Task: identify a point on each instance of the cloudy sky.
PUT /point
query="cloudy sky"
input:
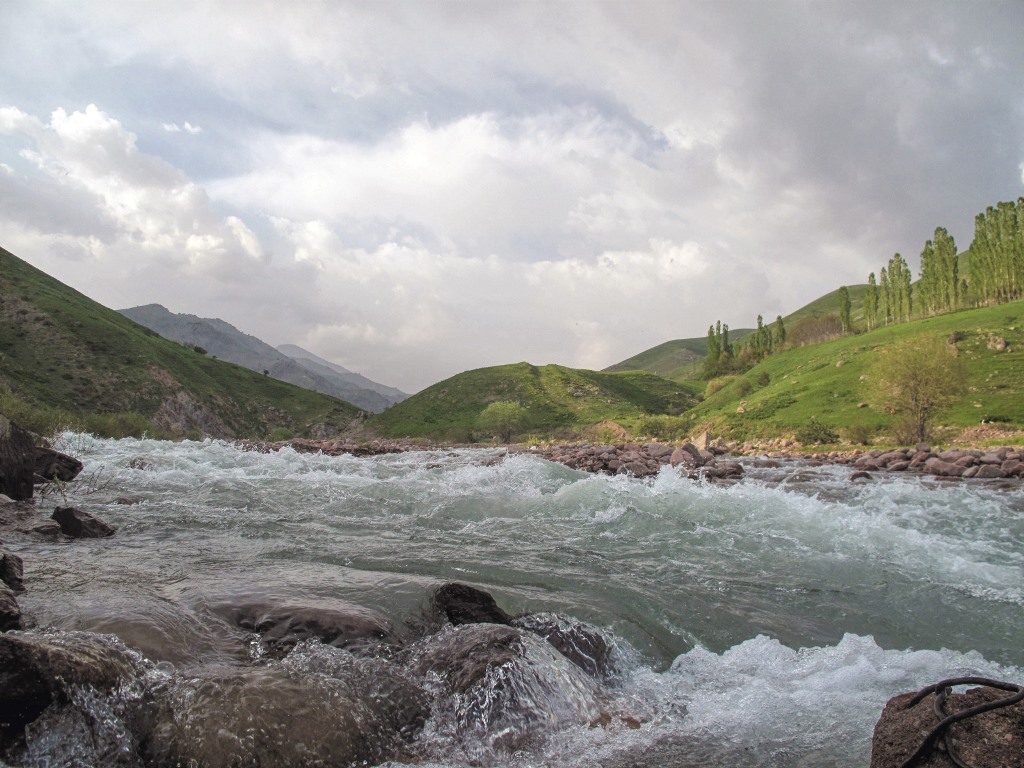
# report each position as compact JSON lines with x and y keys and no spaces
{"x":412,"y":189}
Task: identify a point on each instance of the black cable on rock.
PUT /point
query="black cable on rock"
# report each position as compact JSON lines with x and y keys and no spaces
{"x":945,"y":721}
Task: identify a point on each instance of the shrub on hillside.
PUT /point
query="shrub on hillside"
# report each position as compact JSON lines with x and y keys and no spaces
{"x":662,"y":427}
{"x":503,"y":418}
{"x":717,"y":385}
{"x":860,"y":434}
{"x":918,"y":379}
{"x":816,"y":433}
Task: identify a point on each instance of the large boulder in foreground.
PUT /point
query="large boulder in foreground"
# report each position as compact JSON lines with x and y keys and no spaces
{"x":992,"y":739}
{"x":17,"y":460}
{"x":284,"y":717}
{"x":40,"y":669}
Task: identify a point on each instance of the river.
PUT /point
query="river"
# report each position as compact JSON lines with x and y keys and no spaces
{"x":763,"y":623}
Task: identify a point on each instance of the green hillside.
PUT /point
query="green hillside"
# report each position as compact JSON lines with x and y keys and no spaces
{"x":556,"y":399}
{"x":681,"y":359}
{"x":66,"y":360}
{"x":830,"y":380}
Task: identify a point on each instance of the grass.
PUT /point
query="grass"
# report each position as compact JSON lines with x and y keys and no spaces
{"x":66,"y":360}
{"x":831,"y":380}
{"x":558,"y":400}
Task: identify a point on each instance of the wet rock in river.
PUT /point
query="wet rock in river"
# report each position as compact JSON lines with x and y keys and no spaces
{"x":465,"y":604}
{"x":51,"y":465}
{"x":587,"y":647}
{"x":17,"y":460}
{"x":283,"y":624}
{"x":501,"y":687}
{"x":38,"y":670}
{"x":284,"y":716}
{"x":11,"y":570}
{"x":77,"y":524}
{"x":10,"y":611}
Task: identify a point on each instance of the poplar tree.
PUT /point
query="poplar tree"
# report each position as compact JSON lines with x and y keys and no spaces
{"x":906,"y":289}
{"x":778,"y":333}
{"x":712,"y":363}
{"x":886,"y":294}
{"x":844,"y":309}
{"x":928,"y":288}
{"x":948,"y":283}
{"x":871,"y":302}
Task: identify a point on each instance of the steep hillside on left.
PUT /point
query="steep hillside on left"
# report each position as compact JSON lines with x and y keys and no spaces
{"x":67,"y":361}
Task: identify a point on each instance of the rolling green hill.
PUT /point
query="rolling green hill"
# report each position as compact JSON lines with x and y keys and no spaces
{"x":556,"y":399}
{"x":831,"y":380}
{"x":67,"y":361}
{"x":681,"y":359}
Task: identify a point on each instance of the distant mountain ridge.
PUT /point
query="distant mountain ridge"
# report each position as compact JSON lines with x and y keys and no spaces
{"x":289,"y":363}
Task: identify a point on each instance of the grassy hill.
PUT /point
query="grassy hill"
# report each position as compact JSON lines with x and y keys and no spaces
{"x":681,"y":359}
{"x":831,"y":380}
{"x":557,"y":400}
{"x":67,"y":361}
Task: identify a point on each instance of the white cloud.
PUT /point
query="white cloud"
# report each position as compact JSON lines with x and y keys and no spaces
{"x":88,"y":166}
{"x":187,"y":127}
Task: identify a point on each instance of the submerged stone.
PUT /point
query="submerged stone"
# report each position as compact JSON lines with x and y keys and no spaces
{"x":283,"y":624}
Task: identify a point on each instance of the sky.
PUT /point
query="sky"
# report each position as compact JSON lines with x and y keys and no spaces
{"x":414,"y":189}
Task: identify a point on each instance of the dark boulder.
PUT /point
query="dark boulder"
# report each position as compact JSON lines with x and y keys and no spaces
{"x":51,"y":465}
{"x":988,"y":740}
{"x":11,"y":571}
{"x":77,"y":524}
{"x":464,"y":604}
{"x":37,"y":670}
{"x":10,"y":611}
{"x":17,"y":460}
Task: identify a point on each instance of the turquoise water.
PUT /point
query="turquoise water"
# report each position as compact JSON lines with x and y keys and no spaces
{"x":766,"y":623}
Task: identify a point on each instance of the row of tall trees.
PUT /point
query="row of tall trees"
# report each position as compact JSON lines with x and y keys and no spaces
{"x":939,"y":287}
{"x":994,"y":271}
{"x":719,"y":352}
{"x":891,"y":299}
{"x":722,"y":356}
{"x":996,"y":257}
{"x":994,"y":274}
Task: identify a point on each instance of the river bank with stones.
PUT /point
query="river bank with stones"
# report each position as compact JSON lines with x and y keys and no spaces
{"x":716,"y":460}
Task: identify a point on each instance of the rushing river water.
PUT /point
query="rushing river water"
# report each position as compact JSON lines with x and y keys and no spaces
{"x":763,"y":623}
